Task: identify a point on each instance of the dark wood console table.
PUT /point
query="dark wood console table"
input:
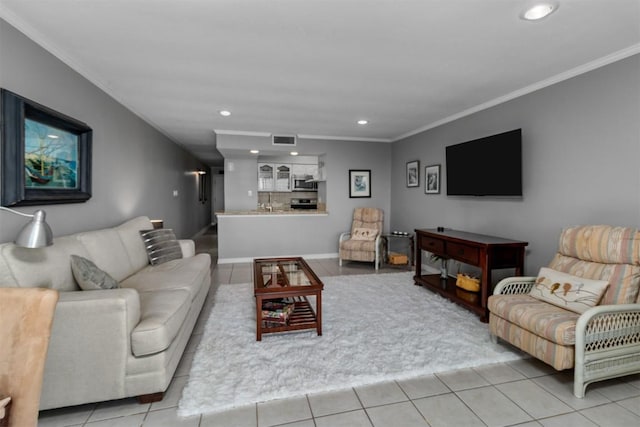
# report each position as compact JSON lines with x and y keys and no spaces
{"x":486,"y":252}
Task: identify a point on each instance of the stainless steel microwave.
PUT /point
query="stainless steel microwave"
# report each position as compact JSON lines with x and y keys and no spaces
{"x":301,"y":183}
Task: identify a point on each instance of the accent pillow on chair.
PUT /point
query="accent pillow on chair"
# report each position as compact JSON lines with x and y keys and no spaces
{"x":570,"y":292}
{"x":89,"y":276}
{"x":161,"y":245}
{"x":364,"y":234}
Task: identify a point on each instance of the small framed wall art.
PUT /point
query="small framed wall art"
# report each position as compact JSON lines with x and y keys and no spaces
{"x":46,"y":156}
{"x":359,"y":183}
{"x":432,"y":179}
{"x":413,"y":174}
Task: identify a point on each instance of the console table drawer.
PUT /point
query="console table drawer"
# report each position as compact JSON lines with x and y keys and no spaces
{"x":463,"y":253}
{"x":432,"y":245}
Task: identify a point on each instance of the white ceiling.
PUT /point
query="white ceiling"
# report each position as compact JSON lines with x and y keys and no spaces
{"x":313,"y":67}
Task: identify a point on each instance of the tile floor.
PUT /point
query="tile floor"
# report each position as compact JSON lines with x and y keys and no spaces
{"x":523,"y":393}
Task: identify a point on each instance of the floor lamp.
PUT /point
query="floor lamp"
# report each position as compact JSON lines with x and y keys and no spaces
{"x":37,"y":233}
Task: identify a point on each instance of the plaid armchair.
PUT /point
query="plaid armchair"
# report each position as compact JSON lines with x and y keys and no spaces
{"x":364,"y":241}
{"x":599,"y":342}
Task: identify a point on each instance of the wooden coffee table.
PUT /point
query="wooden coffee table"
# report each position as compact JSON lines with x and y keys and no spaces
{"x":287,"y":281}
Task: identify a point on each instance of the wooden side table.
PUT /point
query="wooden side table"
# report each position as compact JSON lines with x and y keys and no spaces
{"x":410,"y":248}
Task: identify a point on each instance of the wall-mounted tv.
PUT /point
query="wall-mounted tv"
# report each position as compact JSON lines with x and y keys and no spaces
{"x":489,"y":166}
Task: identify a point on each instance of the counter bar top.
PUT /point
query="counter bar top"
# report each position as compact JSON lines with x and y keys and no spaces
{"x":297,"y":212}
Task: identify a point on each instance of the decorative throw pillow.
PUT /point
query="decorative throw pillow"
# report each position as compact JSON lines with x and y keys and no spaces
{"x":364,"y":234}
{"x":161,"y":245}
{"x":573,"y":293}
{"x":89,"y":276}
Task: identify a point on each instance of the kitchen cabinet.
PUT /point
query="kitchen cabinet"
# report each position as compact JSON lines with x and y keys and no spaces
{"x":274,"y":177}
{"x":307,"y":171}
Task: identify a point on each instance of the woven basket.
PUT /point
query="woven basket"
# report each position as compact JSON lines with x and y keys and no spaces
{"x":468,"y":283}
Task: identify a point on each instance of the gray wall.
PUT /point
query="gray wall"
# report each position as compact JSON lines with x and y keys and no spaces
{"x":581,"y":147}
{"x":135,"y":167}
{"x":249,"y":237}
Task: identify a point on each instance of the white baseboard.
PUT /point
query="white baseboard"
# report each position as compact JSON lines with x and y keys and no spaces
{"x":250,"y":259}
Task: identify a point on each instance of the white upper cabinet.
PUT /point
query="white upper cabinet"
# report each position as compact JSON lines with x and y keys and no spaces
{"x":274,"y":177}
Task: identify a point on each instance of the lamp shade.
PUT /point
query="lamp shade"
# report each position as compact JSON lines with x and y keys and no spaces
{"x":37,"y":233}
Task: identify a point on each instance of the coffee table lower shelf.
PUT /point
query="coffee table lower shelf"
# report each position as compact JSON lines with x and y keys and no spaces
{"x":302,"y":317}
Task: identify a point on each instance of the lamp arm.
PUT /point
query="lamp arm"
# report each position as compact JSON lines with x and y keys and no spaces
{"x":16,"y":212}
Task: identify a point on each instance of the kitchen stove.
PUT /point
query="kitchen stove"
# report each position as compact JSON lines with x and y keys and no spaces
{"x":304,"y":203}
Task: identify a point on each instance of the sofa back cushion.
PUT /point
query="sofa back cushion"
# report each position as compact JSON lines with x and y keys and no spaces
{"x":602,"y":252}
{"x":108,"y":252}
{"x":48,"y":267}
{"x":130,"y":235}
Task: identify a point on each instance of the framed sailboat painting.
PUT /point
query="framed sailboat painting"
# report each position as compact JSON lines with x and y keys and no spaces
{"x":46,"y":156}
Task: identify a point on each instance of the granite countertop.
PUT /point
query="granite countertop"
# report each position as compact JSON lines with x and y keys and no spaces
{"x":264,"y":212}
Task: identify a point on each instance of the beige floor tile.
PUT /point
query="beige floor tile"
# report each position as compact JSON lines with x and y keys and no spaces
{"x":493,"y":407}
{"x":561,"y":386}
{"x":380,"y":394}
{"x":424,"y":386}
{"x":346,"y":419}
{"x":63,"y":417}
{"x":304,"y":423}
{"x":333,"y":402}
{"x":531,"y":367}
{"x":398,"y":414}
{"x":283,"y":411}
{"x":612,"y":415}
{"x":447,"y":410}
{"x":172,"y":395}
{"x":136,"y":420}
{"x":462,"y":379}
{"x":614,"y":389}
{"x":169,"y":418}
{"x":632,"y":404}
{"x":245,"y":416}
{"x":535,"y":400}
{"x":574,"y":419}
{"x":118,"y":408}
{"x":498,"y":373}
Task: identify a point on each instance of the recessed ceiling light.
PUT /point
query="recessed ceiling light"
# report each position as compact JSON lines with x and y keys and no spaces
{"x":294,"y":153}
{"x":363,"y":122}
{"x":539,"y":11}
{"x":254,"y":151}
{"x":225,"y":113}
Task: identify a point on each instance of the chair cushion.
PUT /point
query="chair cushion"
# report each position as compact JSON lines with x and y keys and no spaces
{"x":161,"y":316}
{"x":361,"y":233}
{"x":538,"y":317}
{"x":89,"y":276}
{"x":567,"y":291}
{"x":358,"y":250}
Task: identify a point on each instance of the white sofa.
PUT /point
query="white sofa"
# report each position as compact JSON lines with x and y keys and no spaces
{"x":115,"y":343}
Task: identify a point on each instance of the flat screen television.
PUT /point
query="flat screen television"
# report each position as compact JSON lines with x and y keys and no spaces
{"x":489,"y":166}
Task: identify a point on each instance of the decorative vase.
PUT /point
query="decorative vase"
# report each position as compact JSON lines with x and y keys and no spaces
{"x":443,"y":269}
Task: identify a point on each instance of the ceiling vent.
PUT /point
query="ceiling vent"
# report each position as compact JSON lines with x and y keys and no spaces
{"x":288,"y":140}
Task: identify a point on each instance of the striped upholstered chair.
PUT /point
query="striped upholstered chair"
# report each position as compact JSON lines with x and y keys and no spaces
{"x":364,"y":242}
{"x":600,"y":341}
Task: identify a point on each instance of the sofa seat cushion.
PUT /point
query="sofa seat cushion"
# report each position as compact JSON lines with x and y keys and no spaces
{"x":186,"y":273}
{"x":161,"y":316}
{"x":553,"y":323}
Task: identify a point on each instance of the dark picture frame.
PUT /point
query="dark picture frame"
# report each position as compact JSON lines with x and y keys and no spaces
{"x":432,"y":179}
{"x":359,"y":183}
{"x":413,"y":173}
{"x":46,"y":155}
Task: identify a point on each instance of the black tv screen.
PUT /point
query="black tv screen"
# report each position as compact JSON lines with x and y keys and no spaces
{"x":489,"y":166}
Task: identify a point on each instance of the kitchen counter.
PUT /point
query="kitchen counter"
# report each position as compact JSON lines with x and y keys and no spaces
{"x":261,"y":212}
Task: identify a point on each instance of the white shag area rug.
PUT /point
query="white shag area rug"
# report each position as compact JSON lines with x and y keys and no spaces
{"x":376,"y":327}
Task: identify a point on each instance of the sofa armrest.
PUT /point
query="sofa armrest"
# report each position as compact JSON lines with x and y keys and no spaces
{"x":514,"y":285}
{"x":606,"y":327}
{"x":90,"y":338}
{"x":188,"y":248}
